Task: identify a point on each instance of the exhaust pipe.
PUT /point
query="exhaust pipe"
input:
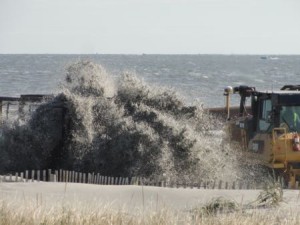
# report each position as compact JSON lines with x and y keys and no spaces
{"x":227,"y":91}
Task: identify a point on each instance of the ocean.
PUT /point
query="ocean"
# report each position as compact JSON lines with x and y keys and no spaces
{"x":198,"y":78}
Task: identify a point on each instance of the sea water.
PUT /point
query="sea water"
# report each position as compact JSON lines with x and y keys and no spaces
{"x":200,"y":78}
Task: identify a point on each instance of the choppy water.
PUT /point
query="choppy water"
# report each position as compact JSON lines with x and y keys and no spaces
{"x":201,"y":77}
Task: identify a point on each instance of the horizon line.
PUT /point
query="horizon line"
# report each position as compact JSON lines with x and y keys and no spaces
{"x":224,"y":54}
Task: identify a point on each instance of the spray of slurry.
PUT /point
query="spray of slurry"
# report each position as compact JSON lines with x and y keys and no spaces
{"x":123,"y":128}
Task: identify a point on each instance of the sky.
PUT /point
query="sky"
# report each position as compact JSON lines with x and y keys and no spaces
{"x":150,"y":26}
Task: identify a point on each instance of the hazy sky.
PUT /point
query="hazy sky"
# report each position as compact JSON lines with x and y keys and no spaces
{"x":150,"y":26}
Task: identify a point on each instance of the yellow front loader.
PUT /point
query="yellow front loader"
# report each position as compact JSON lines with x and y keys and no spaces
{"x":268,"y":130}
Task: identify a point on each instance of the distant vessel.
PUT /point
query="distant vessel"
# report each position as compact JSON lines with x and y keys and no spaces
{"x":269,"y":57}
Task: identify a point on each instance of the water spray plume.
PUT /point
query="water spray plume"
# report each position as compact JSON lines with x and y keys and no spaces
{"x":124,"y":128}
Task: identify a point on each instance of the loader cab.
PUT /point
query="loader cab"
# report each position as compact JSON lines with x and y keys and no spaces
{"x":275,"y":109}
{"x":289,"y":111}
{"x":267,"y":110}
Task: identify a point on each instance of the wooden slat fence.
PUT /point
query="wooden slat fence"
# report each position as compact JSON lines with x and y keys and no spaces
{"x":96,"y":178}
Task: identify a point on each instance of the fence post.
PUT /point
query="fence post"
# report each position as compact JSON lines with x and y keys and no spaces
{"x":214,"y":184}
{"x":83,"y":177}
{"x":94,"y":176}
{"x":44,"y":175}
{"x":80,"y":177}
{"x":233,"y":185}
{"x":67,"y":176}
{"x":70,"y":176}
{"x":199,"y":184}
{"x":248,"y":185}
{"x":296,"y":184}
{"x":75,"y":177}
{"x":49,"y":174}
{"x":204,"y":184}
{"x":254,"y":185}
{"x":171,"y":183}
{"x":26,"y":175}
{"x":241,"y":185}
{"x":17,"y":177}
{"x":290,"y":185}
{"x":98,"y":178}
{"x":38,"y":174}
{"x":32,"y":175}
{"x":59,"y":178}
{"x":282,"y":182}
{"x":220,"y":184}
{"x":22,"y":176}
{"x":64,"y":176}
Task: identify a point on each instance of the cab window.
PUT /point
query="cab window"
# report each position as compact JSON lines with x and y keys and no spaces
{"x":290,"y":115}
{"x":265,"y":109}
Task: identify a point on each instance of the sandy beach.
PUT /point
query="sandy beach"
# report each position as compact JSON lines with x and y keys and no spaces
{"x":130,"y":197}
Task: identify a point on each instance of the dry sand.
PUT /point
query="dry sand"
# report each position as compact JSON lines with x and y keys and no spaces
{"x":128,"y":197}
